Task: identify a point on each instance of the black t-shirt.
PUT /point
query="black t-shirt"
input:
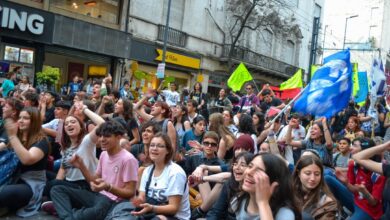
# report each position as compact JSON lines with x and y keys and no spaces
{"x":265,"y":105}
{"x":386,"y":192}
{"x":43,"y":145}
{"x":49,"y":115}
{"x":131,"y":124}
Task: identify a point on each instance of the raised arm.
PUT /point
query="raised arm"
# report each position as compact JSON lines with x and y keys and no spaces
{"x":26,"y":156}
{"x":328,"y":137}
{"x":140,"y":110}
{"x":363,"y":157}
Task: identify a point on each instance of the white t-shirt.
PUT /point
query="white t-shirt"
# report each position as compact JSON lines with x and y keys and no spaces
{"x":297,"y":134}
{"x":87,"y":151}
{"x":172,"y":98}
{"x":53,"y":124}
{"x":172,"y":181}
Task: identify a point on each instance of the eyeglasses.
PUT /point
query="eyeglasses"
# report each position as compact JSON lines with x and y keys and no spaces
{"x":210,"y":144}
{"x":248,"y":88}
{"x":157,"y":145}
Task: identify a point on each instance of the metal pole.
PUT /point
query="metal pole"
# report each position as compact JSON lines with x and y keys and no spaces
{"x":289,"y":104}
{"x":345,"y":32}
{"x":166,"y":32}
{"x":323,"y":45}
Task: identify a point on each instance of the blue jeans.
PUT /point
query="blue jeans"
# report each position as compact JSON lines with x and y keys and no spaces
{"x":345,"y":198}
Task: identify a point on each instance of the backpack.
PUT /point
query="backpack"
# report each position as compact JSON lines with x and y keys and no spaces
{"x":165,"y":131}
{"x":8,"y":164}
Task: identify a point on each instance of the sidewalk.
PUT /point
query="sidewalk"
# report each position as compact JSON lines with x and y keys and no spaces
{"x":40,"y":216}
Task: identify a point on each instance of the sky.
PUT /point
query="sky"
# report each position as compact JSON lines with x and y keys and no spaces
{"x":359,"y":28}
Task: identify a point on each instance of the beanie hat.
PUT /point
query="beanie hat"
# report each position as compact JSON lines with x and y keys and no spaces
{"x":246,"y":142}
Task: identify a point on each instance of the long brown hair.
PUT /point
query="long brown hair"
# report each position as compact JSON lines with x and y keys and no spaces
{"x":65,"y":140}
{"x":314,"y":196}
{"x":35,"y":132}
{"x":217,"y":125}
{"x":357,"y":121}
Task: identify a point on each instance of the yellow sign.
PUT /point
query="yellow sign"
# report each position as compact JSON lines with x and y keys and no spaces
{"x":179,"y":59}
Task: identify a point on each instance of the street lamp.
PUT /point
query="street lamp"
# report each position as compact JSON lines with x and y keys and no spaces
{"x":323,"y":43}
{"x":345,"y":30}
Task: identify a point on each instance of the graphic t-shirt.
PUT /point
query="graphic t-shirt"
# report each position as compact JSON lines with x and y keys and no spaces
{"x":171,"y":182}
{"x":172,"y":98}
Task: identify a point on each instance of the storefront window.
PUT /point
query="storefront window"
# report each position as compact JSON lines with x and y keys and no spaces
{"x":106,"y":10}
{"x":11,"y":53}
{"x":22,"y":55}
{"x":26,"y":56}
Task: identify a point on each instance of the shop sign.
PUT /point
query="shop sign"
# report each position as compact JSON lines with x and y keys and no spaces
{"x":179,"y":59}
{"x":10,"y":18}
{"x":23,"y":22}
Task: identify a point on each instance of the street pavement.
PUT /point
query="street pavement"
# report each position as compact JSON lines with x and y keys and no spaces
{"x":40,"y":216}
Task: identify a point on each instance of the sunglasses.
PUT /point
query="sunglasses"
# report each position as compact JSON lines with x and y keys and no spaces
{"x":210,"y":144}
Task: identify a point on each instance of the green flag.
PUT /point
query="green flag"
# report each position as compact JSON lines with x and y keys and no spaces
{"x":294,"y":82}
{"x":355,"y":79}
{"x":239,"y":77}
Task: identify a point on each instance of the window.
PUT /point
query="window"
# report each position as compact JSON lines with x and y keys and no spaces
{"x":317,"y":11}
{"x":105,"y":10}
{"x":266,"y":48}
{"x":177,"y":14}
{"x":290,"y":52}
{"x":22,"y":55}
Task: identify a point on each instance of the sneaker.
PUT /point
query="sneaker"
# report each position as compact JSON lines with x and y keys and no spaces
{"x":48,"y":207}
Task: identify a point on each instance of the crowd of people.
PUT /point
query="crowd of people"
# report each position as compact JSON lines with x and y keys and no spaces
{"x":96,"y":152}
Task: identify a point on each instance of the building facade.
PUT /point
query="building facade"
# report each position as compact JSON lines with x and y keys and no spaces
{"x":199,"y":30}
{"x":77,"y":37}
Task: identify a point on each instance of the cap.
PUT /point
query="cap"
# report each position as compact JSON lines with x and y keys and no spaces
{"x":63,"y":104}
{"x":246,"y":142}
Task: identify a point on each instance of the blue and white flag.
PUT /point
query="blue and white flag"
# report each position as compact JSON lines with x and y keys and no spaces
{"x":330,"y":89}
{"x":378,"y":87}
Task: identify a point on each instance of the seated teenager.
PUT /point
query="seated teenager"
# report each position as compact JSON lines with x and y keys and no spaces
{"x":268,"y":191}
{"x":75,"y":140}
{"x":312,"y":193}
{"x":31,"y":146}
{"x":223,"y":194}
{"x":363,"y":159}
{"x":360,"y":191}
{"x":114,"y":181}
{"x":163,"y":191}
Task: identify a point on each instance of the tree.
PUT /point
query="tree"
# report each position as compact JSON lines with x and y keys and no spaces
{"x":255,"y":15}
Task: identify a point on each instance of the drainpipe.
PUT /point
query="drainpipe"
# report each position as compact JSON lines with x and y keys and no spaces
{"x":127,"y":16}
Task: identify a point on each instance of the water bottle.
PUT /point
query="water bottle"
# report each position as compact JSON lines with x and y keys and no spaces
{"x":272,"y":142}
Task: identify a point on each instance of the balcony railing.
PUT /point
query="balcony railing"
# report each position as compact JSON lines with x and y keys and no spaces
{"x":175,"y":37}
{"x":268,"y":63}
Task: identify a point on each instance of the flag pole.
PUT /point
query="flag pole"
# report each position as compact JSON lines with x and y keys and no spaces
{"x":288,"y":105}
{"x":254,"y":83}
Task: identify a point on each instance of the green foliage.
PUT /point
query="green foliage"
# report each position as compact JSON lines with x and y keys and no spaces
{"x":48,"y":76}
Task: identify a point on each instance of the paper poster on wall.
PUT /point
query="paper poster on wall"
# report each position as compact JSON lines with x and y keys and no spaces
{"x":149,"y":85}
{"x":133,"y":84}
